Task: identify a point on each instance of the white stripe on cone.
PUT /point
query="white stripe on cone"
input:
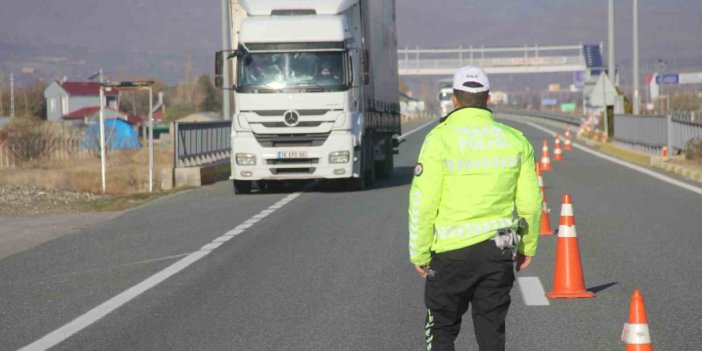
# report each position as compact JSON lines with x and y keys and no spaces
{"x":636,"y":334}
{"x":567,"y":232}
{"x":567,"y":210}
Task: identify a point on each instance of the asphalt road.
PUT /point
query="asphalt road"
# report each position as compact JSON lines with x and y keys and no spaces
{"x":329,"y":270}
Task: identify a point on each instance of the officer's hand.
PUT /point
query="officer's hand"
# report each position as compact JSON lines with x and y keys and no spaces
{"x":422,"y":270}
{"x":522,"y":261}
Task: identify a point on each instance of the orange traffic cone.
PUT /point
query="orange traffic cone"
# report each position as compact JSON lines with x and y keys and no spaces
{"x":567,"y":146}
{"x":539,"y":176}
{"x":635,"y":333}
{"x":545,"y":159}
{"x":568,"y":280}
{"x":545,"y":219}
{"x":664,"y":152}
{"x":557,"y":152}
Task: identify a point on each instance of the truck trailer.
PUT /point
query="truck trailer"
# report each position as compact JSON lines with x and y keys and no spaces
{"x":315,"y":86}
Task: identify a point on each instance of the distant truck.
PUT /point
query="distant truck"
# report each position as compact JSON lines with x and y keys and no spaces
{"x":315,"y":91}
{"x":445,"y":95}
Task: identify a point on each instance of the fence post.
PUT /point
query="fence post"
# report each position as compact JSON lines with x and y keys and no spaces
{"x":175,"y":144}
{"x":669,"y":126}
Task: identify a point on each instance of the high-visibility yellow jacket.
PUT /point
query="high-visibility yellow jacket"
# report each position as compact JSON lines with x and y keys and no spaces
{"x":474,"y":177}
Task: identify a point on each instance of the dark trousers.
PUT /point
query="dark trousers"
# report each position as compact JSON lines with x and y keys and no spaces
{"x":480,"y":275}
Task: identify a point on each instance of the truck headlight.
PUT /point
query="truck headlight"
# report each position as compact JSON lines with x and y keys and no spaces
{"x":339,"y":157}
{"x":246,"y":159}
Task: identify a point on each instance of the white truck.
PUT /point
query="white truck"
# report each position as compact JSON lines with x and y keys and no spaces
{"x":445,"y":95}
{"x":315,"y":86}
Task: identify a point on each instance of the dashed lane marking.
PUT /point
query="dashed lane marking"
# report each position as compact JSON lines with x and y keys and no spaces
{"x":59,"y":335}
{"x":532,"y":291}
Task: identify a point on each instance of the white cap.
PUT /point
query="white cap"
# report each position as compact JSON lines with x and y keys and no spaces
{"x":470,"y":74}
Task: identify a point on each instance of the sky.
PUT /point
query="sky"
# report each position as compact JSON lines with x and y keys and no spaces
{"x":669,"y":29}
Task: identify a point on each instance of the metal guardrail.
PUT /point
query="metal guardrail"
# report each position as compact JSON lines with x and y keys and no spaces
{"x":201,"y":143}
{"x":684,"y":126}
{"x":642,"y":131}
{"x":559,"y":117}
{"x":647,"y":132}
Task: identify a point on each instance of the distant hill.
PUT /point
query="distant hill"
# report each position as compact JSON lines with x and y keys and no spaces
{"x":56,"y":61}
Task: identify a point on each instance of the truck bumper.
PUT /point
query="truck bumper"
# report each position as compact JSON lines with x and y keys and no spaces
{"x":271,"y":165}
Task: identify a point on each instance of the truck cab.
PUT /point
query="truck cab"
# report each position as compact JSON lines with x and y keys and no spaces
{"x":302,"y":100}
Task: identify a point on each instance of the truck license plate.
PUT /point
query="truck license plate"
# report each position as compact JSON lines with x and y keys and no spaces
{"x":292,"y":154}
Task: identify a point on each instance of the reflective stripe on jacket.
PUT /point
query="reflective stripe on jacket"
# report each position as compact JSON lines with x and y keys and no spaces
{"x":474,"y":176}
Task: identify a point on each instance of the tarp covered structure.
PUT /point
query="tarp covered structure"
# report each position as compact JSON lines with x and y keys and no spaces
{"x":119,"y":135}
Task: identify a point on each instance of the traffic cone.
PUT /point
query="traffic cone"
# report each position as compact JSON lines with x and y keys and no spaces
{"x":539,"y":176}
{"x":568,"y":279}
{"x":557,"y":152}
{"x":635,"y":333}
{"x":567,"y":146}
{"x":664,"y":152}
{"x":545,"y":159}
{"x":545,"y":219}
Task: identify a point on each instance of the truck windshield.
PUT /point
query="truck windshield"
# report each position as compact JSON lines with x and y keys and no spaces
{"x":445,"y":95}
{"x":292,"y":72}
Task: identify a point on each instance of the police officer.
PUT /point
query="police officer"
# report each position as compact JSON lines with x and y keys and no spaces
{"x":474,"y":184}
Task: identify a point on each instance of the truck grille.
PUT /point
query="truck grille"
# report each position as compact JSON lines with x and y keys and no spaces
{"x":309,"y":170}
{"x":280,"y":113}
{"x":291,"y":140}
{"x":283,"y":125}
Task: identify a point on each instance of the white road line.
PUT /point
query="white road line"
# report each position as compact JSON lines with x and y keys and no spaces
{"x":532,"y":291}
{"x":638,"y":168}
{"x":418,"y":128}
{"x":59,"y":335}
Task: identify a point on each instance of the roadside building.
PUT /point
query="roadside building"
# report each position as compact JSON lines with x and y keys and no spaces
{"x":66,"y":98}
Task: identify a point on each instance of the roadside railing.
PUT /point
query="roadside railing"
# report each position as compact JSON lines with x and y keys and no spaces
{"x":201,"y":143}
{"x":559,"y":117}
{"x":674,"y":130}
{"x":684,"y":126}
{"x":648,"y":132}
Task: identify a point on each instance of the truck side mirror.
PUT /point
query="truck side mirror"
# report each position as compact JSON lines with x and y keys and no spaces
{"x":219,"y":66}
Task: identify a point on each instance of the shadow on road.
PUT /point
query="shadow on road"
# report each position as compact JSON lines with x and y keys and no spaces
{"x":597,"y":289}
{"x":401,"y":176}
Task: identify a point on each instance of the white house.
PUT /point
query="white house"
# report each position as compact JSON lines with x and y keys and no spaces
{"x":64,"y":98}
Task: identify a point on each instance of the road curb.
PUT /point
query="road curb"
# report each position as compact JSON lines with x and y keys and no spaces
{"x":642,"y":159}
{"x":690,"y":173}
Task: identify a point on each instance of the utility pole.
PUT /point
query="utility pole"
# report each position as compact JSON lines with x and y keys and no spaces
{"x":226,"y":36}
{"x":637,"y":95}
{"x":151,"y":139}
{"x":611,"y":60}
{"x":103,"y":161}
{"x":12,"y":95}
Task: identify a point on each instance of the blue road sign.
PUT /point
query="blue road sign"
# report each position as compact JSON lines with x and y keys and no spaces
{"x":668,"y":79}
{"x":579,"y":79}
{"x":549,"y":102}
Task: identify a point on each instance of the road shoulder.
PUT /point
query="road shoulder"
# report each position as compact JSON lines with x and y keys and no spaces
{"x":19,"y":234}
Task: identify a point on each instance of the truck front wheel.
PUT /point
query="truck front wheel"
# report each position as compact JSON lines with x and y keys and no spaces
{"x":242,"y":187}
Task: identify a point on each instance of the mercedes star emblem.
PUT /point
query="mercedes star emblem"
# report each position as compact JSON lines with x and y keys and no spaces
{"x":291,"y":118}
